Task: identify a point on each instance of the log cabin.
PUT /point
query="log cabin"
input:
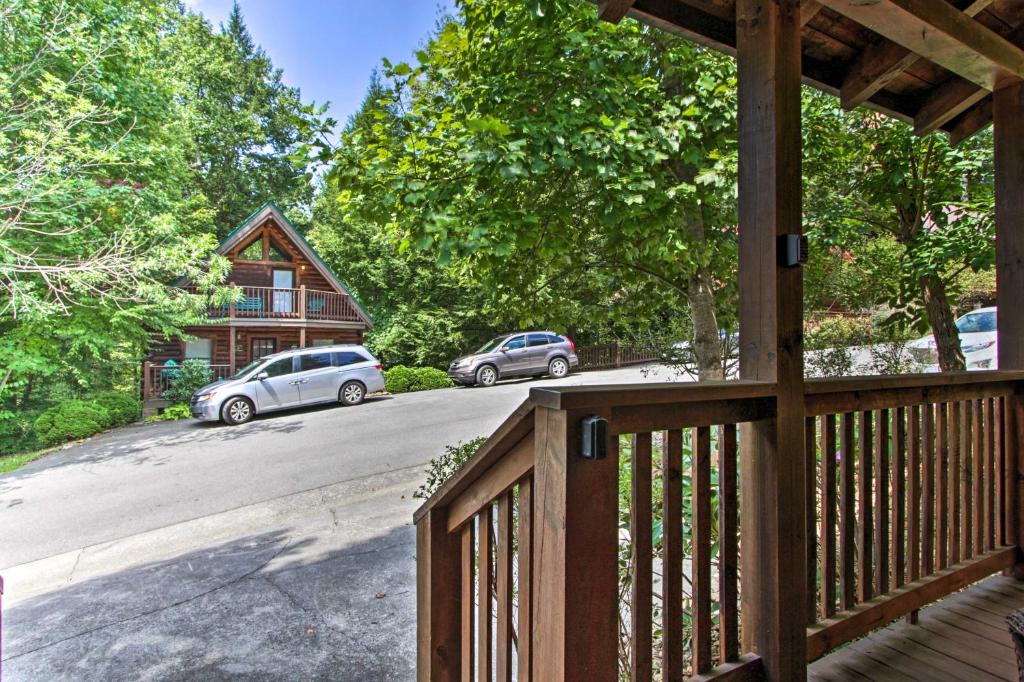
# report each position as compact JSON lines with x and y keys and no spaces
{"x":289,"y":298}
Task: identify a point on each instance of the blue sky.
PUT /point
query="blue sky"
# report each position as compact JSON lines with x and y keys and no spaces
{"x":328,"y":48}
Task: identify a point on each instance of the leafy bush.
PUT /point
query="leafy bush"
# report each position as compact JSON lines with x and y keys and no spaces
{"x":70,"y":420}
{"x":446,"y":465}
{"x":402,"y":379}
{"x":17,"y":432}
{"x":829,"y":343}
{"x":193,"y":375}
{"x":123,"y":408}
{"x":171,"y":413}
{"x":418,"y":337}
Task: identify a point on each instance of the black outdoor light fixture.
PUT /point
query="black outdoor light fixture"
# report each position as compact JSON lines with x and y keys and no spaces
{"x":792,"y":250}
{"x":594,"y":441}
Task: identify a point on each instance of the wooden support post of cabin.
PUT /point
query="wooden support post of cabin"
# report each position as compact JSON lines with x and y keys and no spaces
{"x":575,"y":564}
{"x":438,"y":596}
{"x":231,"y":349}
{"x":146,"y":372}
{"x":1008,"y":127}
{"x":771,"y":336}
{"x":231,"y":306}
{"x":302,"y":301}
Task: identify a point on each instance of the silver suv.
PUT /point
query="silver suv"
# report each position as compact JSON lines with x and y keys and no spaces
{"x":324,"y":374}
{"x":518,"y":354}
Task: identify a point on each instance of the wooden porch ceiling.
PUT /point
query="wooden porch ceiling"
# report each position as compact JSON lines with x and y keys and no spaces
{"x":933,"y":63}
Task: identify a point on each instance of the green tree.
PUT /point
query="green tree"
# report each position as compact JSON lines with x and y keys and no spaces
{"x":249,"y":128}
{"x":94,"y":218}
{"x":870,"y":178}
{"x":578,"y":170}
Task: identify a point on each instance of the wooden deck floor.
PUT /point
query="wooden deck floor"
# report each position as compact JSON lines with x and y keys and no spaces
{"x":963,"y":637}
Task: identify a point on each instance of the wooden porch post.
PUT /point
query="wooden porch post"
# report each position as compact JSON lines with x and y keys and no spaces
{"x":1008,"y":126}
{"x":438,"y":595}
{"x":575,"y":606}
{"x":231,"y":348}
{"x":146,"y":388}
{"x":771,"y":336}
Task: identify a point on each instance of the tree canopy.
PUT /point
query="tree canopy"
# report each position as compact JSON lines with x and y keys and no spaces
{"x":113,"y":183}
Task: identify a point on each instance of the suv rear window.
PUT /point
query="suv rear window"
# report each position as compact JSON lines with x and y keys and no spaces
{"x":537,"y":340}
{"x":348,"y":357}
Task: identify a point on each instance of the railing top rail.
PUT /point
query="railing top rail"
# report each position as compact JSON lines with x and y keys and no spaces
{"x":517,"y":426}
{"x":623,"y":395}
{"x":898,"y":381}
{"x":270,"y":288}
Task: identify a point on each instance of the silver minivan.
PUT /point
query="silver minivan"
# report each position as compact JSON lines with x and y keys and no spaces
{"x":520,"y":354}
{"x":308,"y":376}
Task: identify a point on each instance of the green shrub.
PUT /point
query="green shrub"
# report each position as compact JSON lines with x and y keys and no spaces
{"x":123,"y":408}
{"x":402,"y":379}
{"x":398,"y":379}
{"x":171,"y":413}
{"x":193,"y":375}
{"x":71,"y":420}
{"x":447,"y":464}
{"x":429,"y":378}
{"x":17,"y":432}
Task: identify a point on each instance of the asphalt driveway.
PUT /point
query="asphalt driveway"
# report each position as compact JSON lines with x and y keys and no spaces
{"x":280,"y":549}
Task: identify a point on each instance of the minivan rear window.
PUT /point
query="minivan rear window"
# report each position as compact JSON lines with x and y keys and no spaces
{"x":977,"y":322}
{"x":314,"y":361}
{"x":348,"y":357}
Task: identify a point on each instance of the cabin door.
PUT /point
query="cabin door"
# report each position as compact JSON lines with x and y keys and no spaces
{"x":284,"y":297}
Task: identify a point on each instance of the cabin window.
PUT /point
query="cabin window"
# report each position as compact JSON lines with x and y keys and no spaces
{"x":263,"y":347}
{"x":199,"y":349}
{"x":275,"y":253}
{"x":252,"y":252}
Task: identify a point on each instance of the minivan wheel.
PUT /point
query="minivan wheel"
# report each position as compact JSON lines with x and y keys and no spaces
{"x":237,"y":411}
{"x":558,"y":368}
{"x":486,"y":376}
{"x":352,"y":393}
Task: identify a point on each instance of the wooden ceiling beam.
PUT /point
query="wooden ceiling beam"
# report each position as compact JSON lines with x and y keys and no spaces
{"x":613,"y":11}
{"x":945,"y":103}
{"x":881,"y":62}
{"x":972,"y":122}
{"x":941,"y":33}
{"x":808,"y":10}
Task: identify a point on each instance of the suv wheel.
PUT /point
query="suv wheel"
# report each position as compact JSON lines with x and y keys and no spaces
{"x":486,"y":376}
{"x":352,"y":393}
{"x":237,"y":411}
{"x":558,"y":368}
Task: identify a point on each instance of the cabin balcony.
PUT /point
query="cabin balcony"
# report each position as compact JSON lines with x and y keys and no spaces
{"x":289,"y":306}
{"x":651,"y":532}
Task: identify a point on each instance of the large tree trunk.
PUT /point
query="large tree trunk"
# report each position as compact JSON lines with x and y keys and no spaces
{"x":706,"y":345}
{"x":940,"y":317}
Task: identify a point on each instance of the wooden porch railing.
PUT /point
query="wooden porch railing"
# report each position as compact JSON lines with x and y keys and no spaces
{"x":609,"y":355}
{"x":275,"y":303}
{"x":158,"y":378}
{"x":528,"y":568}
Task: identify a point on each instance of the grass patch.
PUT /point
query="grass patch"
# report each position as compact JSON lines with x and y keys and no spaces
{"x":9,"y":463}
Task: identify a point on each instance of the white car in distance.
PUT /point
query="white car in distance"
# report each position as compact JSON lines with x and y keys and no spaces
{"x":977,"y":341}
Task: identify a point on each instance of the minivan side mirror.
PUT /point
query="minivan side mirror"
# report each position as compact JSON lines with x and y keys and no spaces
{"x":261,"y":376}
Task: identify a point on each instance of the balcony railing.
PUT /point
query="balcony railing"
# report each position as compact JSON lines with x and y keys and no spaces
{"x":538,"y":563}
{"x":157,"y":378}
{"x":273,"y":303}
